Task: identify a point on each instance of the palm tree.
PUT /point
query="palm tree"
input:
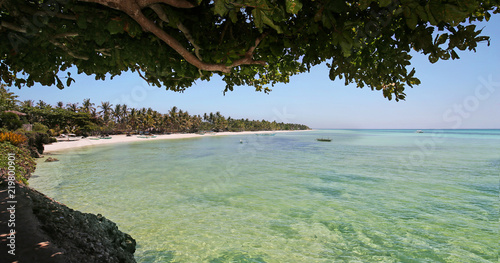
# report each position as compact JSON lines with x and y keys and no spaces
{"x":60,"y":105}
{"x":27,"y":104}
{"x":105,"y":110}
{"x":87,"y":106}
{"x":133,"y":118}
{"x":42,"y":104}
{"x":174,"y":118}
{"x":124,"y":115}
{"x":117,"y":112}
{"x":72,"y":107}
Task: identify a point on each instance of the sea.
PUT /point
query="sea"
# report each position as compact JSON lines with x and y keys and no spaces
{"x":365,"y":196}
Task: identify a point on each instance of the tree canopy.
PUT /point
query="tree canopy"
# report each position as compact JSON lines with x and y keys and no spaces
{"x":173,"y":43}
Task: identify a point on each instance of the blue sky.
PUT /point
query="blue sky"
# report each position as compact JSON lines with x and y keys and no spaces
{"x":457,"y":94}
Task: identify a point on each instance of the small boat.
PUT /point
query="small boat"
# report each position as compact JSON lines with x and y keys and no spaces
{"x":106,"y":138}
{"x":146,"y":136}
{"x":419,"y":131}
{"x":69,"y":137}
{"x":324,"y":140}
{"x":94,"y":138}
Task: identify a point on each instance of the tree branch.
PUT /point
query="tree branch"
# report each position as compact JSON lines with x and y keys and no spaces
{"x":248,"y":59}
{"x":174,"y":3}
{"x":13,"y":27}
{"x":161,"y":14}
{"x":33,"y":11}
{"x":67,"y":34}
{"x":133,"y":9}
{"x":148,"y":25}
{"x":65,"y":48}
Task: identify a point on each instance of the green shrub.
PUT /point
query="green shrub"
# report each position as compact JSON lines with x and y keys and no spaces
{"x":36,"y":140}
{"x":10,"y":121}
{"x":24,"y":164}
{"x":38,"y":127}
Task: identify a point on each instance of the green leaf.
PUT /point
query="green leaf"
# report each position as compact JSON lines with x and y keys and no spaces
{"x":412,"y":20}
{"x":454,"y":55}
{"x":433,"y":59}
{"x":81,"y":22}
{"x":453,"y":15}
{"x":59,"y":83}
{"x":257,"y":18}
{"x":68,"y":81}
{"x":441,"y":39}
{"x":293,"y":6}
{"x":100,"y":38}
{"x":233,"y":15}
{"x":384,"y":3}
{"x":220,"y":7}
{"x":115,"y":27}
{"x":268,"y":21}
{"x":346,"y":48}
{"x":364,"y":4}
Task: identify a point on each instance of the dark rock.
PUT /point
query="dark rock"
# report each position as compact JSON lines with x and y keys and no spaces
{"x":50,"y":159}
{"x":84,"y":237}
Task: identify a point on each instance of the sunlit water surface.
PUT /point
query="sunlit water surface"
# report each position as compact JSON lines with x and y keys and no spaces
{"x":369,"y":195}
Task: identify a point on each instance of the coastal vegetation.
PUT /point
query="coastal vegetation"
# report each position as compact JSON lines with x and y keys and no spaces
{"x":259,"y":43}
{"x":105,"y":118}
{"x":24,"y":164}
{"x":37,"y":123}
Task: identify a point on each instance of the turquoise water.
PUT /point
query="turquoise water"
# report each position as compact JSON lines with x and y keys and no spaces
{"x":367,"y":196}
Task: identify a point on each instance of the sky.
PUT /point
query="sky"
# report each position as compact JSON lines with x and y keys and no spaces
{"x":454,"y":94}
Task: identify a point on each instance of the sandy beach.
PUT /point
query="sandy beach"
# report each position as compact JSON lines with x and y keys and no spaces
{"x":65,"y":145}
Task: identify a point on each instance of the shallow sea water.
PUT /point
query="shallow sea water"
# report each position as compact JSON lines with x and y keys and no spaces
{"x":367,"y":196}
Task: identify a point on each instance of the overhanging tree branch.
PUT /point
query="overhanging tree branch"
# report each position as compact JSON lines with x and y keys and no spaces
{"x":133,"y":9}
{"x":174,"y":3}
{"x":161,"y":14}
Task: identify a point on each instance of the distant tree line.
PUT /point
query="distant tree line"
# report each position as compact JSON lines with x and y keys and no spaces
{"x":88,"y":119}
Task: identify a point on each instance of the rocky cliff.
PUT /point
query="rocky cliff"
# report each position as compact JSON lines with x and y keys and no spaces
{"x":48,"y":231}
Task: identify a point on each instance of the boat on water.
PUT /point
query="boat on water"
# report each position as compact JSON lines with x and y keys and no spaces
{"x":419,"y":131}
{"x":323,"y":139}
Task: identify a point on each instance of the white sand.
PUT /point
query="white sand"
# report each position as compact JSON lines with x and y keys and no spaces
{"x":65,"y":145}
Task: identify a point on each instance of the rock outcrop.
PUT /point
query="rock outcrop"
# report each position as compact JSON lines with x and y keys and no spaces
{"x":48,"y":231}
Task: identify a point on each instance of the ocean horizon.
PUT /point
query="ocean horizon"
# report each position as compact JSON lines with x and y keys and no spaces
{"x":388,"y":195}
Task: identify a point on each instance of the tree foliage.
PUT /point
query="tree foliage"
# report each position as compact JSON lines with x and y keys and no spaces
{"x":173,"y":43}
{"x":121,"y":119}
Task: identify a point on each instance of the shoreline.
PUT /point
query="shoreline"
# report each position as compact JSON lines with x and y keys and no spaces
{"x":122,"y":138}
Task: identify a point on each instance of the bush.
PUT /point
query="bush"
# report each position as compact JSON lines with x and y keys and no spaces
{"x":36,"y":140}
{"x":14,"y":138}
{"x":24,"y":164}
{"x":38,"y":127}
{"x":10,"y":121}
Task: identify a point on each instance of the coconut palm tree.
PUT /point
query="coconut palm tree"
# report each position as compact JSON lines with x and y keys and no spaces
{"x":87,"y":106}
{"x":132,"y":119}
{"x":72,"y":107}
{"x":105,"y":110}
{"x":60,"y":105}
{"x":117,"y":112}
{"x":174,"y":118}
{"x":42,"y":104}
{"x":124,"y":115}
{"x":25,"y":105}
